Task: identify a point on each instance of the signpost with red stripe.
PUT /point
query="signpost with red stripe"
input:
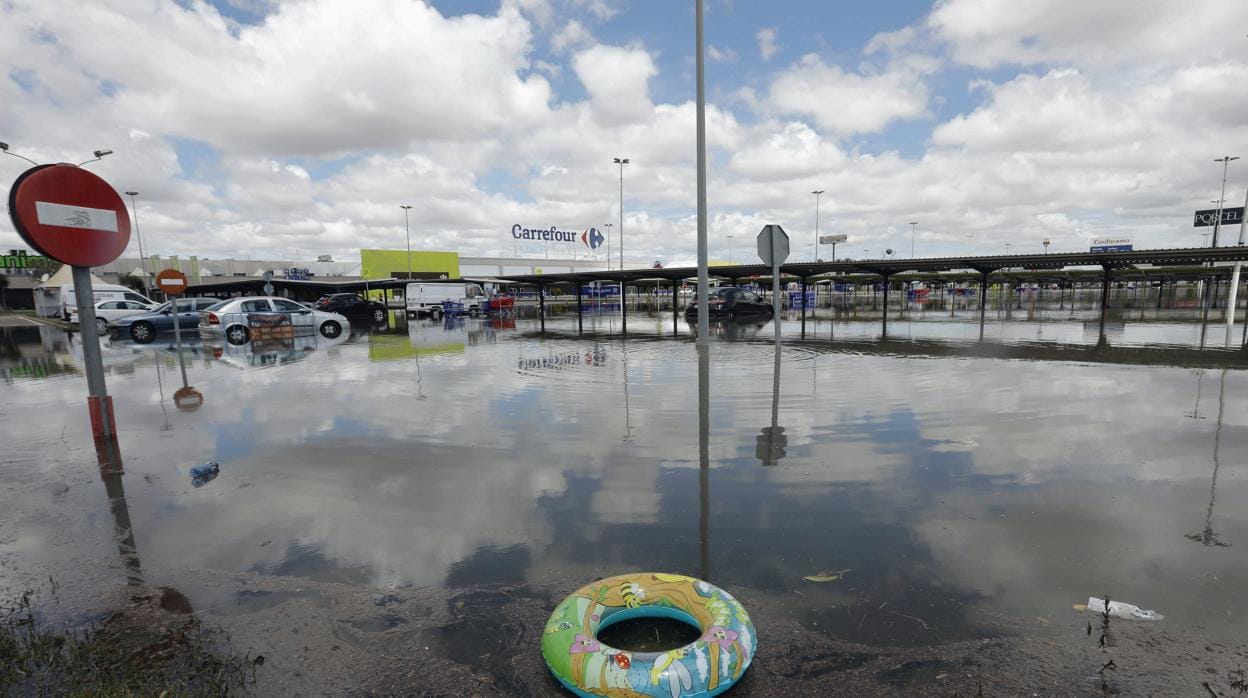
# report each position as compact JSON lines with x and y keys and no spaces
{"x":73,"y":216}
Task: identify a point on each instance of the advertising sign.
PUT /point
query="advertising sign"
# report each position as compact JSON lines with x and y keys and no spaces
{"x":592,"y":238}
{"x":1112,"y":245}
{"x":1230,"y":216}
{"x":832,"y":239}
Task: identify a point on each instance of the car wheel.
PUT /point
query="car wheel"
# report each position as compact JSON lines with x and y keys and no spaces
{"x":379,"y":315}
{"x":331,"y":329}
{"x":142,"y":332}
{"x":435,"y":314}
{"x":237,"y":334}
{"x":101,"y":325}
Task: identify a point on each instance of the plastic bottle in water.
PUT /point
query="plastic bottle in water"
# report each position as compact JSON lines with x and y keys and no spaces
{"x":204,"y":473}
{"x":1118,"y":609}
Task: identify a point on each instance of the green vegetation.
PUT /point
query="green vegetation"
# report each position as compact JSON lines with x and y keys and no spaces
{"x":152,"y":646}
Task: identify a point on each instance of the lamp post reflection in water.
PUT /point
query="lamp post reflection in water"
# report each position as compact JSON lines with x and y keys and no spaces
{"x":1208,"y":537}
{"x":704,"y":461}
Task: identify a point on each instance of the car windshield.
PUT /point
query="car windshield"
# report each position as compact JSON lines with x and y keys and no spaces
{"x":722,"y":292}
{"x":162,"y":307}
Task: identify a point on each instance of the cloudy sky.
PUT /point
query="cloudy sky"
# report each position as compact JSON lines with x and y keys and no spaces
{"x":283,"y":128}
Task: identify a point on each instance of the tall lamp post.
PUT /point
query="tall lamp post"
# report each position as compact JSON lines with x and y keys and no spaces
{"x":1217,"y":222}
{"x":142,"y":254}
{"x":914,"y":225}
{"x":730,"y":248}
{"x":817,"y":193}
{"x":621,"y":162}
{"x":407,"y":228}
{"x":608,"y":245}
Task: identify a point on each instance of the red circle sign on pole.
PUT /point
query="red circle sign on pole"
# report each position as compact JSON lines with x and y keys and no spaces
{"x":171,"y":281}
{"x":69,"y":214}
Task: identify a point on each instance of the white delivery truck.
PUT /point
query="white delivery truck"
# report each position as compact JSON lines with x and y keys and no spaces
{"x":426,"y":298}
{"x":100,"y":292}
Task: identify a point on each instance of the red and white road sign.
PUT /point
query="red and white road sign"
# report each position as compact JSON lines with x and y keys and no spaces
{"x":69,"y":214}
{"x":171,"y":281}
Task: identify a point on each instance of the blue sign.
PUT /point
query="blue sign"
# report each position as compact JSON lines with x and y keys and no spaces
{"x":1112,"y":248}
{"x":592,"y":238}
{"x":298,"y":274}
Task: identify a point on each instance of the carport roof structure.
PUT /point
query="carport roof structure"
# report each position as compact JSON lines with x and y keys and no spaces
{"x":889,"y":267}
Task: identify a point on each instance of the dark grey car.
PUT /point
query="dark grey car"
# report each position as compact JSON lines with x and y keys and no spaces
{"x":144,"y":328}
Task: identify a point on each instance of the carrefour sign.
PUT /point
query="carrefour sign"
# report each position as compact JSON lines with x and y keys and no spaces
{"x":591,"y":237}
{"x":550,"y":234}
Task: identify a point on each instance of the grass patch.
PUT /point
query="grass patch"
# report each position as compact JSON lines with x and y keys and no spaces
{"x":151,"y":645}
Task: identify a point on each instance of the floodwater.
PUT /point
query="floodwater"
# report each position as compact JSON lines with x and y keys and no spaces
{"x":397,"y":510}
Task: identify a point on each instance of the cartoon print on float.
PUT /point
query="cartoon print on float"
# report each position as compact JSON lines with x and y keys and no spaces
{"x":704,"y":668}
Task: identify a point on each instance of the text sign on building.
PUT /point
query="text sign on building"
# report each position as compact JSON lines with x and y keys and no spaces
{"x":1230,"y":216}
{"x":19,"y":259}
{"x":69,"y":214}
{"x":832,"y":239}
{"x":1112,"y":245}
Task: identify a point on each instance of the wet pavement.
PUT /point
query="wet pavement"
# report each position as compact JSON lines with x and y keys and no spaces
{"x":397,"y":511}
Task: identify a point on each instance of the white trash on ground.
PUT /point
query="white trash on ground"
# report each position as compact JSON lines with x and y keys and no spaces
{"x":1118,"y":609}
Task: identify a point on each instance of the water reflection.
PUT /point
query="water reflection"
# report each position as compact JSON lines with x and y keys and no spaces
{"x":954,"y":479}
{"x":1208,"y":537}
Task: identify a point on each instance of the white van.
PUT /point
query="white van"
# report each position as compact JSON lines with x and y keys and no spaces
{"x":101,"y":292}
{"x":425,"y":299}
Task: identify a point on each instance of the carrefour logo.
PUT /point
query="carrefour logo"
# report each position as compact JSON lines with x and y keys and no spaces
{"x":592,"y":238}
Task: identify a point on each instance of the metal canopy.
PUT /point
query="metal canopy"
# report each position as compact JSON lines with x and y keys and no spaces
{"x":882,"y":267}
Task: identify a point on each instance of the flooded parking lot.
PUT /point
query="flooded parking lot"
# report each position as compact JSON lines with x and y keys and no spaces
{"x":397,"y":511}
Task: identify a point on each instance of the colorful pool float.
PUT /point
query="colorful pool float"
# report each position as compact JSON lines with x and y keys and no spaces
{"x":707,"y":667}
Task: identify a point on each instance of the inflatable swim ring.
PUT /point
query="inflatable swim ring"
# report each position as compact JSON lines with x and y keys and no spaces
{"x":707,"y":667}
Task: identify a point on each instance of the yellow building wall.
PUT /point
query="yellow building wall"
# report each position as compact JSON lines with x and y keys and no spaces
{"x":382,"y":264}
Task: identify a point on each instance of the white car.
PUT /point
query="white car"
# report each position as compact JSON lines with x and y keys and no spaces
{"x":241,"y":318}
{"x":107,"y":311}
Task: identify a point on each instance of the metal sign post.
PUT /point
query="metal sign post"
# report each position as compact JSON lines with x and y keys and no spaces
{"x":173,"y":283}
{"x":73,"y":216}
{"x":773,"y":249}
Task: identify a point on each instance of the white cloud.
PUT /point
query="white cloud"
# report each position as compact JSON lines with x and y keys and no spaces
{"x":847,"y":103}
{"x":617,"y":79}
{"x":600,"y":10}
{"x":719,"y":55}
{"x":986,"y":33}
{"x":571,"y":36}
{"x":767,"y":42}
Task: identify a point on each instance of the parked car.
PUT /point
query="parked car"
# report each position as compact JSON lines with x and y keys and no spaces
{"x":241,"y":318}
{"x":99,"y":292}
{"x":729,"y":301}
{"x":352,"y":305}
{"x":144,"y":327}
{"x":107,"y":311}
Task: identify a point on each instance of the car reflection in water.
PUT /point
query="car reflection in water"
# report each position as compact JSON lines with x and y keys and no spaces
{"x":735,"y":329}
{"x":259,"y":353}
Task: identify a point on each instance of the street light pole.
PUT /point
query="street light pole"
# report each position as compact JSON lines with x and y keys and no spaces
{"x":913,"y":226}
{"x":704,"y":282}
{"x":608,"y":243}
{"x":817,"y":192}
{"x":142,"y":255}
{"x":730,"y":249}
{"x":1217,"y":222}
{"x":621,"y":162}
{"x":408,"y":229}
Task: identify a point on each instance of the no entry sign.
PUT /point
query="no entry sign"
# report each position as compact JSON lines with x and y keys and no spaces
{"x":171,"y":281}
{"x":69,"y":214}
